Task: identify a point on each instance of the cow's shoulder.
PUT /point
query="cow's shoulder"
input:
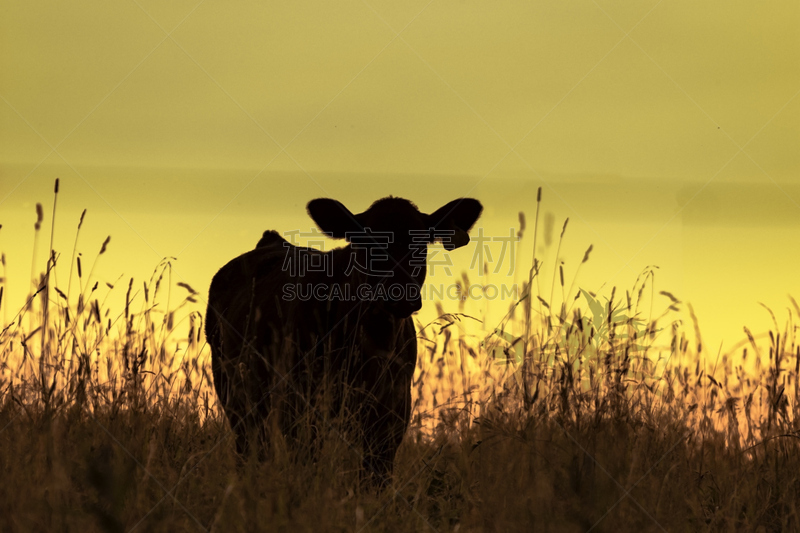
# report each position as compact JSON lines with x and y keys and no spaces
{"x":272,"y":242}
{"x":271,"y":239}
{"x":266,"y":259}
{"x":272,"y":263}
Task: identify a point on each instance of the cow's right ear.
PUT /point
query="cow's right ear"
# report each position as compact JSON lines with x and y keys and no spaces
{"x":333,"y":218}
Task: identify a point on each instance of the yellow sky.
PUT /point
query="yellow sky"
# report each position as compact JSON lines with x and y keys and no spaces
{"x":667,"y":131}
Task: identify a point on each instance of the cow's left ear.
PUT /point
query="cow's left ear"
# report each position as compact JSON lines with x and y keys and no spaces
{"x":452,"y":221}
{"x":333,"y":218}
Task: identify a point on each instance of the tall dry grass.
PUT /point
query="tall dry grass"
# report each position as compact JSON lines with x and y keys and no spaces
{"x":573,"y":414}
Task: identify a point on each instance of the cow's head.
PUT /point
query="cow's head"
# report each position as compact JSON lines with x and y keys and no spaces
{"x":393,"y":234}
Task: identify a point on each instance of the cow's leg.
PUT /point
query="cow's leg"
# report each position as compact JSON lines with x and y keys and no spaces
{"x":226,"y":387}
{"x":243,"y":400}
{"x":387,"y":410}
{"x":385,"y":425}
{"x":381,"y":441}
{"x":232,"y":397}
{"x":258,"y":402}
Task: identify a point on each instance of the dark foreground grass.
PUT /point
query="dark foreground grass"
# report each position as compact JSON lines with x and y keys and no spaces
{"x":162,"y":469}
{"x":579,"y":422}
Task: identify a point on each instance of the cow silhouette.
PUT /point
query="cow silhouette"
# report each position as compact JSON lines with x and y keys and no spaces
{"x":302,"y":339}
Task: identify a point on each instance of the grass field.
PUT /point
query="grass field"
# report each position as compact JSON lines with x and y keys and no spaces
{"x":586,"y":419}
